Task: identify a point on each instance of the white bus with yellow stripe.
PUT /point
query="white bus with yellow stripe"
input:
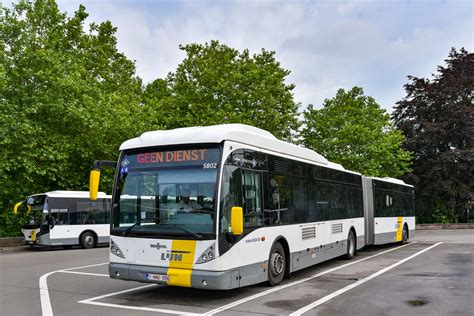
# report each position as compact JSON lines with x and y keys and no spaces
{"x":226,"y":206}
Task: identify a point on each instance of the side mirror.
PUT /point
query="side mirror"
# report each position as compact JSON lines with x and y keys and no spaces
{"x":17,"y":205}
{"x":237,"y":220}
{"x":94,"y":184}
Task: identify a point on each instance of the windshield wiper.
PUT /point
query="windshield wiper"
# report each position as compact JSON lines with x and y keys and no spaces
{"x":185,"y":230}
{"x":126,"y":231}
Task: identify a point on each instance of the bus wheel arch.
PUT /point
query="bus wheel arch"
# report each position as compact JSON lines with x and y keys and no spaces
{"x":88,"y":239}
{"x":280,"y":243}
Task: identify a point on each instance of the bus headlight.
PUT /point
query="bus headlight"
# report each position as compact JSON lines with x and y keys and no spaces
{"x":114,"y":249}
{"x":207,"y":255}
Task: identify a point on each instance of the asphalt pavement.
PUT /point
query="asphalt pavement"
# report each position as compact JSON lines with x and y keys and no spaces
{"x":433,"y":275}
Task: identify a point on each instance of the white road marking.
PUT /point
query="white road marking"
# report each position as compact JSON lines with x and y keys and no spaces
{"x":44,"y":295}
{"x":88,"y":266}
{"x":46,"y":308}
{"x":360,"y":282}
{"x":83,"y":273}
{"x":148,"y":309}
{"x":116,"y":293}
{"x":92,"y":300}
{"x":284,"y":286}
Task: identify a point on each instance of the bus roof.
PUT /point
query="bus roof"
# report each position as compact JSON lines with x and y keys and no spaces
{"x":392,"y":180}
{"x":240,"y":133}
{"x":72,"y":194}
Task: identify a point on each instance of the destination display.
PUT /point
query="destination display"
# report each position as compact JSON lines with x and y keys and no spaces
{"x":167,"y":158}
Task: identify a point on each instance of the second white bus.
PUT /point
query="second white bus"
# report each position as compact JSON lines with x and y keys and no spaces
{"x":67,"y":218}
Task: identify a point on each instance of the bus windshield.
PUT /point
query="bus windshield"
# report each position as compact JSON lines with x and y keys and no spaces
{"x":35,"y":216}
{"x":166,"y":193}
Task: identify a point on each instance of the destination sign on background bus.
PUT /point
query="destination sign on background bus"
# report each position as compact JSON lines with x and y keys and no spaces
{"x":168,"y":158}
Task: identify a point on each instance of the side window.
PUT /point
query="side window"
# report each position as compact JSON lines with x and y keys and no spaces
{"x":280,"y":199}
{"x":323,"y":200}
{"x":60,"y":216}
{"x":300,"y":200}
{"x":98,"y":213}
{"x":338,"y":207}
{"x":60,"y":209}
{"x":88,"y":212}
{"x":252,"y":189}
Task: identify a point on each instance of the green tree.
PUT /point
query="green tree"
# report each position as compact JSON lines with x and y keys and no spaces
{"x":437,"y":118}
{"x":67,"y":97}
{"x":217,"y":84}
{"x":352,"y":129}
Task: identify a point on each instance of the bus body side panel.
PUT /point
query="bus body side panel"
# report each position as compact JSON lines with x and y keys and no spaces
{"x":330,"y":242}
{"x":69,"y":234}
{"x":387,"y":229}
{"x":368,"y":210}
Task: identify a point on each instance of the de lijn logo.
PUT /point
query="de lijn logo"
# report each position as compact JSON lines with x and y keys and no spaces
{"x":173,"y":255}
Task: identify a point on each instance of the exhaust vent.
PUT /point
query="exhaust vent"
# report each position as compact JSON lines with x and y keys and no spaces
{"x":337,"y":228}
{"x":308,"y":232}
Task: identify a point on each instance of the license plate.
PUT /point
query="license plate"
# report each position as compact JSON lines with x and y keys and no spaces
{"x":157,"y":277}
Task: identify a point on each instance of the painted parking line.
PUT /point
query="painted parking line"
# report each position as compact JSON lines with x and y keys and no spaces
{"x":83,"y":273}
{"x":358,"y":283}
{"x":46,"y":308}
{"x":93,"y":301}
{"x":284,"y":286}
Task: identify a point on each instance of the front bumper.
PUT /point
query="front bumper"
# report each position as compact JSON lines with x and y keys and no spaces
{"x":211,"y":280}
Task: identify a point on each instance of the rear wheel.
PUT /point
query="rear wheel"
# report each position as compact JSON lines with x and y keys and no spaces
{"x":405,"y":235}
{"x":351,"y":245}
{"x":276,"y":264}
{"x":88,"y":240}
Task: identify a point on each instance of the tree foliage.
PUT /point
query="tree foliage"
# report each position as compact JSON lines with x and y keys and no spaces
{"x":67,"y":97}
{"x":352,"y":129}
{"x":437,"y":117}
{"x":217,"y":84}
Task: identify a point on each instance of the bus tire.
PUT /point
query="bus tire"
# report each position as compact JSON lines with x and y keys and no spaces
{"x":88,"y":240}
{"x":404,"y":235}
{"x":351,"y":245}
{"x":276,"y":264}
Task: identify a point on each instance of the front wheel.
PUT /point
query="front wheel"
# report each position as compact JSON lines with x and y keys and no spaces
{"x":351,"y":246}
{"x":88,"y":240}
{"x":276,"y":264}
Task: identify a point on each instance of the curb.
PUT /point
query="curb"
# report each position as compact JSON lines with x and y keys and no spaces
{"x":444,"y":226}
{"x":11,"y":242}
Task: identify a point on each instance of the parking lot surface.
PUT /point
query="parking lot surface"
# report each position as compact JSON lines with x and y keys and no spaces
{"x":433,"y":275}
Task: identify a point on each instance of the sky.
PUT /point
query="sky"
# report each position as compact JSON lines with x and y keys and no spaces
{"x":326,"y":45}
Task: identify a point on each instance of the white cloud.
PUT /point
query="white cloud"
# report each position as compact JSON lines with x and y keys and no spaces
{"x":326,"y":45}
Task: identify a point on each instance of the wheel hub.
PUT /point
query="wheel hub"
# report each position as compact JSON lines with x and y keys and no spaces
{"x":89,"y":240}
{"x":278,"y":263}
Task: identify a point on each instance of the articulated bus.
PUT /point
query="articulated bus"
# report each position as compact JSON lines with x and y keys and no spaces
{"x":226,"y":206}
{"x":66,"y":218}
